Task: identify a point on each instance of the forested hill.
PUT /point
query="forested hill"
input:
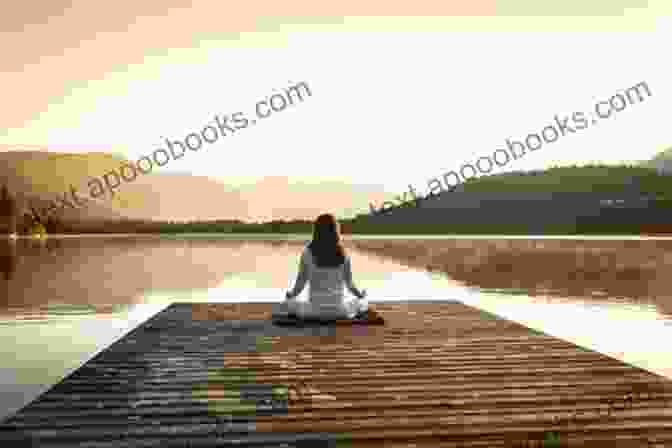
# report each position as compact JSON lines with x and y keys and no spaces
{"x":587,"y":178}
{"x":599,"y":178}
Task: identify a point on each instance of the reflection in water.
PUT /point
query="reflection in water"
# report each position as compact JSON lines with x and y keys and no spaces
{"x":99,"y":273}
{"x":626,"y":270}
{"x":8,"y":257}
{"x":11,"y":248}
{"x":93,"y":275}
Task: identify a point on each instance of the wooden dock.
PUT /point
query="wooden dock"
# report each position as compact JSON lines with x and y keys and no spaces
{"x":439,"y":374}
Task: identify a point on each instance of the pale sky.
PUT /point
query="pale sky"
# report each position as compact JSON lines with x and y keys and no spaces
{"x":395,"y":100}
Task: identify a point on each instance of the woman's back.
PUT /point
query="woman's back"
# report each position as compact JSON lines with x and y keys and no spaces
{"x":325,"y":284}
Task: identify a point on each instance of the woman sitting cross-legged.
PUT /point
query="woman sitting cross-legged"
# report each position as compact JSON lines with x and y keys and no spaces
{"x":326,"y":268}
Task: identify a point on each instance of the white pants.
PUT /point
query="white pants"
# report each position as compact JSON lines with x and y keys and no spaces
{"x":347,"y":309}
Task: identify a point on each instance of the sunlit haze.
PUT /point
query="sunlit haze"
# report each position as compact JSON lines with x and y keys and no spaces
{"x":395,"y":100}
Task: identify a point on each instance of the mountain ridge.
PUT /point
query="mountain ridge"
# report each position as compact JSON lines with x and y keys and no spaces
{"x":39,"y":177}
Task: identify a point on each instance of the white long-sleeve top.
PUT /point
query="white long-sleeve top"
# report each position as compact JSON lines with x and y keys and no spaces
{"x":325,"y":285}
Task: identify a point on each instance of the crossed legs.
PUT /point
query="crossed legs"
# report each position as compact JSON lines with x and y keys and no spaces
{"x":307,"y":309}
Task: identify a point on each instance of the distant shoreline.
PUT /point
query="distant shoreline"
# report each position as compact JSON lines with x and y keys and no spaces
{"x":346,"y":237}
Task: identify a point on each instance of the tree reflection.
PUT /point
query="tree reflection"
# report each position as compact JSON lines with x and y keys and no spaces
{"x":8,"y":257}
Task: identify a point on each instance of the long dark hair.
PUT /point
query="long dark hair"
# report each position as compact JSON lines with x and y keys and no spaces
{"x":326,"y":246}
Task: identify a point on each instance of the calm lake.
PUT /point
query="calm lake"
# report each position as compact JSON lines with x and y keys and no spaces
{"x":64,"y":299}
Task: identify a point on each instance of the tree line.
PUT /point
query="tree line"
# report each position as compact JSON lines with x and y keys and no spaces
{"x":24,"y":219}
{"x":612,"y":180}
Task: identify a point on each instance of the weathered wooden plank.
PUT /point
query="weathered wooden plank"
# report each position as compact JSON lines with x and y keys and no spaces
{"x":437,"y":374}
